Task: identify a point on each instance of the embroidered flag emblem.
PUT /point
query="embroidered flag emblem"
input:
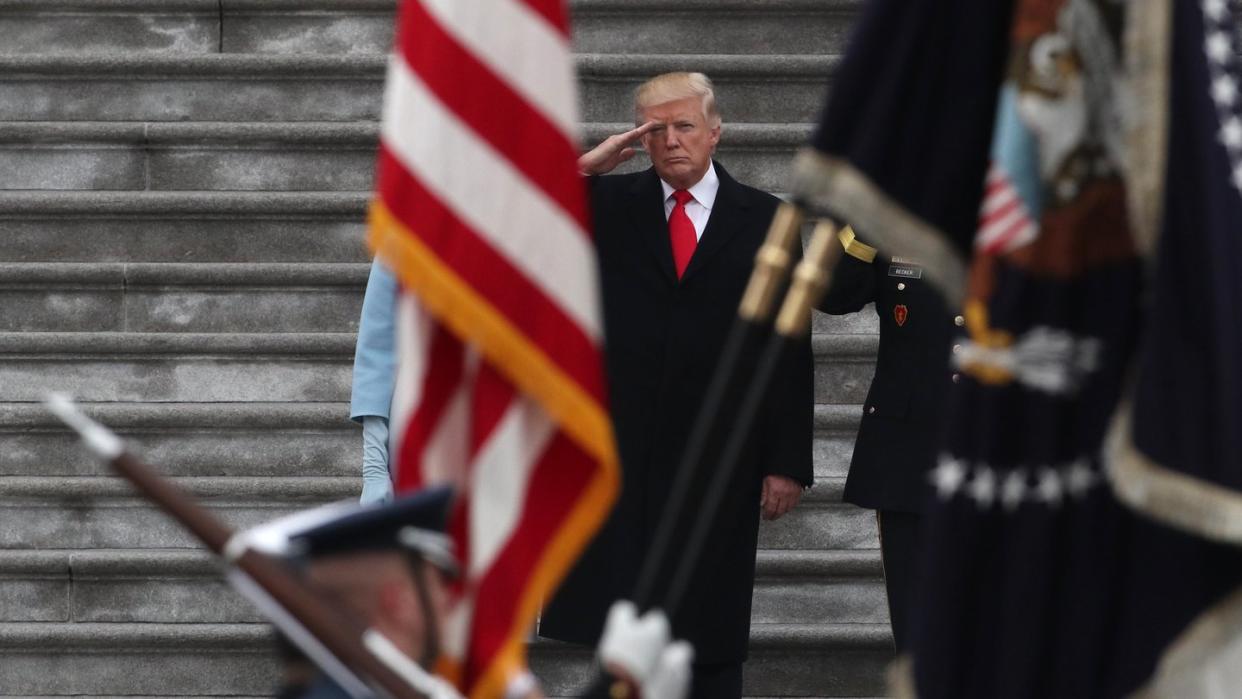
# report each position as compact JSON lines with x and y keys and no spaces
{"x":900,"y":313}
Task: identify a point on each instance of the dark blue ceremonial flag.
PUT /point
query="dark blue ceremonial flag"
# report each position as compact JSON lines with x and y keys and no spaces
{"x":1187,"y":412}
{"x":1090,"y":236}
{"x":903,"y":142}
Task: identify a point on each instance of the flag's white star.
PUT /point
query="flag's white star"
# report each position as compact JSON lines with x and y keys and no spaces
{"x":1079,"y":478}
{"x":983,"y":487}
{"x":1231,"y":133}
{"x":948,"y":476}
{"x":1218,"y":47}
{"x":1049,"y":488}
{"x":1214,"y":9}
{"x":1014,"y":489}
{"x":1224,"y":90}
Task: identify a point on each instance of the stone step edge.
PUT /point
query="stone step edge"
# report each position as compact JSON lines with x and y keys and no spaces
{"x":850,"y":348}
{"x":192,"y":204}
{"x":48,"y":345}
{"x":142,"y":564}
{"x":28,"y":417}
{"x":322,"y":415}
{"x":54,"y":490}
{"x":319,"y":67}
{"x":34,"y":637}
{"x":231,"y":275}
{"x":253,"y":489}
{"x":329,"y":134}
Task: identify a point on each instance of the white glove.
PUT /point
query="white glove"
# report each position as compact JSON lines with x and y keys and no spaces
{"x":671,"y":677}
{"x":640,"y":647}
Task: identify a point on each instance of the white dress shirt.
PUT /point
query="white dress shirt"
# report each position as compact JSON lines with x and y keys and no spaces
{"x":700,"y":208}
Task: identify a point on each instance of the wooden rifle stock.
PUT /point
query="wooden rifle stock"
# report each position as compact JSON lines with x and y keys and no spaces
{"x":340,"y":634}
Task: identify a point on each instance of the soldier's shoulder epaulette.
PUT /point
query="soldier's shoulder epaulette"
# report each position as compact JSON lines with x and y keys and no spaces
{"x":855,"y":247}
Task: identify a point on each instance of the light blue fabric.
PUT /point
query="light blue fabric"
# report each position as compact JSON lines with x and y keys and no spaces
{"x":376,"y":480}
{"x":1015,"y":150}
{"x":375,"y":367}
{"x":375,"y":361}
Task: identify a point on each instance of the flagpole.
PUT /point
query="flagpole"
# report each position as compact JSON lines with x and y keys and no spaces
{"x":342,"y":636}
{"x":772,"y":265}
{"x":810,"y":281}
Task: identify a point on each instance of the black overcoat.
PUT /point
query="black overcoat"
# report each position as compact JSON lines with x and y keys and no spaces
{"x":903,"y":418}
{"x":663,"y":338}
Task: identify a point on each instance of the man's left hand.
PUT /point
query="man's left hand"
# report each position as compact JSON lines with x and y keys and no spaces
{"x":780,"y":495}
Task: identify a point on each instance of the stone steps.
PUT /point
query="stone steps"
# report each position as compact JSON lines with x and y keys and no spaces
{"x":181,"y":297}
{"x":301,"y":439}
{"x":266,"y":367}
{"x":253,"y":439}
{"x":176,"y":367}
{"x":365,"y":26}
{"x":255,"y":87}
{"x":155,"y":297}
{"x":183,"y":226}
{"x":288,"y":156}
{"x":125,"y":659}
{"x":66,"y":512}
{"x":184,"y":586}
{"x":838,"y":660}
{"x":234,"y":659}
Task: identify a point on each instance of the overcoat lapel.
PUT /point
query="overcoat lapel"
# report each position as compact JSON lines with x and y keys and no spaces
{"x":647,"y":209}
{"x":725,"y":221}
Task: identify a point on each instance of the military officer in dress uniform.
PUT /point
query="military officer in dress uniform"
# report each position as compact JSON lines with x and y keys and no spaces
{"x":902,"y":417}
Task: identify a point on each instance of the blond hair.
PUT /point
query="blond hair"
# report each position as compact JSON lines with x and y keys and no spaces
{"x":675,"y":86}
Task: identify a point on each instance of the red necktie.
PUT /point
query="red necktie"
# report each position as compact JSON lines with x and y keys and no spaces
{"x":681,"y":232}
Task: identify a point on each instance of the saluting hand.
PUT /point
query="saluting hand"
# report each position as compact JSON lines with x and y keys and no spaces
{"x":615,"y":149}
{"x":780,"y":495}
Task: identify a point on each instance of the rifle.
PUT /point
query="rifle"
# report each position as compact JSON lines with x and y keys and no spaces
{"x":359,"y":659}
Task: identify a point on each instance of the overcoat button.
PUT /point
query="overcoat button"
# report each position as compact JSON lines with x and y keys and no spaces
{"x":959,"y":321}
{"x":871,"y":410}
{"x":901,"y":286}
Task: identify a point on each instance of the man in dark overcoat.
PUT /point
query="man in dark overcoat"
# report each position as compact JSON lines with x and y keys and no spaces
{"x":903,"y":417}
{"x":677,"y":244}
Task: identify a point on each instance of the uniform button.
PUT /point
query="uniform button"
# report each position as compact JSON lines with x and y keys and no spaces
{"x":901,"y":286}
{"x":957,"y":378}
{"x":871,"y":410}
{"x":959,"y":321}
{"x":956,"y":348}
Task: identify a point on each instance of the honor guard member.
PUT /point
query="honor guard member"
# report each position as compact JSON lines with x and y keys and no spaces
{"x":903,"y":414}
{"x":391,"y":565}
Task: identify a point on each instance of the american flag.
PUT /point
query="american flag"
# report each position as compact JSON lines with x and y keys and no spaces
{"x":1004,"y":222}
{"x":481,"y":212}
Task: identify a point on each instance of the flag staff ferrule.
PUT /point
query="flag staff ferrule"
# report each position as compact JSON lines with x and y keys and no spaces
{"x":771,"y":264}
{"x":810,"y":280}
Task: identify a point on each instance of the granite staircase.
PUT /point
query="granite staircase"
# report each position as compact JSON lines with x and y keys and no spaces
{"x":182,"y":188}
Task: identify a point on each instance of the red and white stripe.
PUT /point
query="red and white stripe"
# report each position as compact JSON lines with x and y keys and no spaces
{"x":477,"y":162}
{"x":1004,"y":222}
